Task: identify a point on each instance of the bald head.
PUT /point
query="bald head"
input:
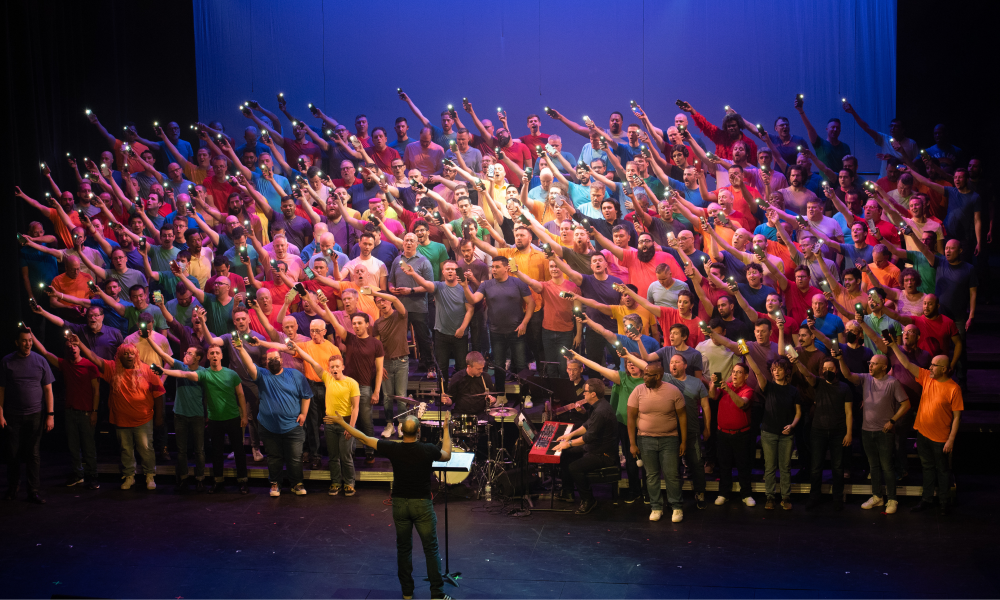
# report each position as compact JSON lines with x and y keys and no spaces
{"x":410,"y":426}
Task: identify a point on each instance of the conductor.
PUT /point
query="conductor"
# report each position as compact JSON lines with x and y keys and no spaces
{"x":468,"y":389}
{"x":411,"y":497}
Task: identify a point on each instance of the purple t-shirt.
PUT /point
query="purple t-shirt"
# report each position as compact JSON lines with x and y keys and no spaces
{"x":23,"y":380}
{"x":603,"y":292}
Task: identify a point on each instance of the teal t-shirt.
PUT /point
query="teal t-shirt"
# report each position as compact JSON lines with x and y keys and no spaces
{"x":168,"y":283}
{"x":132,"y":316}
{"x":188,"y":400}
{"x":220,"y":393}
{"x":218,"y":316}
{"x":928,"y":275}
{"x":436,"y":253}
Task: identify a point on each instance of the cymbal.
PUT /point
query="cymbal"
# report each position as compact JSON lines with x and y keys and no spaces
{"x":503,"y":411}
{"x":489,"y":394}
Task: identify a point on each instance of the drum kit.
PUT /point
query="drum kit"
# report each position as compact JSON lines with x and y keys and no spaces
{"x":482,"y":434}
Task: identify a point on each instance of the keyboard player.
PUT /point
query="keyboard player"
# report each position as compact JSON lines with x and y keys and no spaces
{"x":592,"y":446}
{"x":468,"y":389}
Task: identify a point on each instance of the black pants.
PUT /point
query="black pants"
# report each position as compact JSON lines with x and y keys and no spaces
{"x":734,"y":448}
{"x":420,"y":330}
{"x":595,"y":347}
{"x":533,"y":341}
{"x":217,"y":431}
{"x":575,"y":463}
{"x":803,"y":435}
{"x":23,"y":437}
{"x":631,"y":468}
{"x":447,"y":347}
{"x":832,"y":440}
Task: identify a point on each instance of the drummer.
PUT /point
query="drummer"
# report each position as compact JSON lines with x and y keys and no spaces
{"x":468,"y":389}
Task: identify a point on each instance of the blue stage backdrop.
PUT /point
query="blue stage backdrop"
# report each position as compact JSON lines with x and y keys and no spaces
{"x":578,"y":56}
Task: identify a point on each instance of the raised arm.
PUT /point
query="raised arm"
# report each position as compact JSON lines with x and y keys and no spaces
{"x":861,"y":123}
{"x":607,"y":373}
{"x":572,"y":125}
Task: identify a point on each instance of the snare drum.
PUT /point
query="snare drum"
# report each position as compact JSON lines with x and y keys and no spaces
{"x":466,"y":425}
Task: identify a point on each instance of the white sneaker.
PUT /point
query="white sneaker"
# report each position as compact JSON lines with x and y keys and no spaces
{"x":150,"y":484}
{"x":890,"y":507}
{"x":388,"y":431}
{"x":528,"y":403}
{"x":129,"y":481}
{"x":299,"y":489}
{"x":678,"y":515}
{"x":872,"y":503}
{"x":275,"y":490}
{"x":231,"y":455}
{"x":257,"y":456}
{"x":721,"y":500}
{"x":655,"y":515}
{"x":749,"y":501}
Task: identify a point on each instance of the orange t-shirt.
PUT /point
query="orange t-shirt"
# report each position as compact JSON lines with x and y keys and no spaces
{"x":889,"y":276}
{"x":73,"y":287}
{"x":65,"y":235}
{"x":533,"y":263}
{"x":938,"y":402}
{"x":132,"y":393}
{"x":321,"y":353}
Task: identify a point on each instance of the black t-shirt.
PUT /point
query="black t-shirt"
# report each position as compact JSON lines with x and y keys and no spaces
{"x":462,"y":386}
{"x":829,"y":409}
{"x":737,"y":329}
{"x":411,"y":467}
{"x":602,"y":430}
{"x":779,"y":407}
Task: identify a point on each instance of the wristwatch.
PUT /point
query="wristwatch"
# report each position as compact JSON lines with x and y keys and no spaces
{"x":893,"y":421}
{"x":51,"y":414}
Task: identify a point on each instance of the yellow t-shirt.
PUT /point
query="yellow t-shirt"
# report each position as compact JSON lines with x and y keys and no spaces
{"x":533,"y":263}
{"x":339,"y":394}
{"x":619,"y":312}
{"x":200,"y":267}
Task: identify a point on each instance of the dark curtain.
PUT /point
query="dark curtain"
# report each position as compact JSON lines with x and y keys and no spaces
{"x":126,"y":61}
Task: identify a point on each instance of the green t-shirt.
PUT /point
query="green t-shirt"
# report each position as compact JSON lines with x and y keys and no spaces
{"x":220,"y":393}
{"x":218,"y":317}
{"x":168,"y":283}
{"x":620,"y":393}
{"x":928,"y":276}
{"x":132,"y":315}
{"x":436,"y":253}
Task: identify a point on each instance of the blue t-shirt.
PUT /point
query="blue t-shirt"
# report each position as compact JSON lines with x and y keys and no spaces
{"x":632,"y":346}
{"x":734,"y":267}
{"x":267,"y":190}
{"x":503,"y":300}
{"x":960,"y":222}
{"x":192,"y":224}
{"x":183,"y":147}
{"x":236,"y":265}
{"x":111,"y":318}
{"x":42,"y":267}
{"x":830,"y":325}
{"x":281,"y":398}
{"x":756,"y":298}
{"x":853,"y":253}
{"x":952,"y":287}
{"x":360,"y":196}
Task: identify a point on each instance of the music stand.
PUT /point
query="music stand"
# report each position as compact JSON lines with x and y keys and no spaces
{"x":459,"y":461}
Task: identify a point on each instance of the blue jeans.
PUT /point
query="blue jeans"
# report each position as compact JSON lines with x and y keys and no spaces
{"x":937,"y":470}
{"x":878,"y":448}
{"x":189,"y":434}
{"x":408,"y":513}
{"x":777,"y":456}
{"x":341,"y":451}
{"x":82,"y":450}
{"x":552,"y":342}
{"x":284,"y":449}
{"x":479,"y":333}
{"x":137,"y":438}
{"x":662,"y":453}
{"x":693,"y":457}
{"x":506,"y":345}
{"x":448,"y":347}
{"x":365,"y":416}
{"x":395,"y":385}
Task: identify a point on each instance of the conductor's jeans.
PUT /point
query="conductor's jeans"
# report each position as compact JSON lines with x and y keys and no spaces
{"x":408,"y":513}
{"x":575,"y":463}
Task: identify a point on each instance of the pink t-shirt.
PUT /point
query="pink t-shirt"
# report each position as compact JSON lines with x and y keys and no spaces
{"x":657,"y":409}
{"x":426,"y":160}
{"x":558,"y":311}
{"x":641,"y":274}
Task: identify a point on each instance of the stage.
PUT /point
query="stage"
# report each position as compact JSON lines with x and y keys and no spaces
{"x":137,"y":543}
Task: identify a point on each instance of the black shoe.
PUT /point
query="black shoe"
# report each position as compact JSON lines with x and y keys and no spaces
{"x":34,"y":498}
{"x":182,"y":486}
{"x":217,"y":488}
{"x":199,"y":486}
{"x":93,"y":485}
{"x":921,"y":507}
{"x":245,"y":487}
{"x":369,"y":461}
{"x":945,"y":509}
{"x":813,"y":502}
{"x":629,"y":497}
{"x":565,"y":497}
{"x":317,"y":462}
{"x":586,"y":506}
{"x":699,"y":500}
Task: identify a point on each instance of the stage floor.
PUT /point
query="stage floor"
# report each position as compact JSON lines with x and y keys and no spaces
{"x":113,"y":543}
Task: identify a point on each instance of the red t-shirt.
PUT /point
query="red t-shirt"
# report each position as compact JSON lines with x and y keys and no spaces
{"x":383,"y":159}
{"x":936,"y":334}
{"x":774,"y":325}
{"x":796,"y":304}
{"x":344,"y":184}
{"x":220,"y":193}
{"x":731,"y":417}
{"x":534,"y":140}
{"x":642,"y":274}
{"x":519,"y":154}
{"x":78,"y":377}
{"x":670,"y":316}
{"x":294,"y":149}
{"x":558,"y":311}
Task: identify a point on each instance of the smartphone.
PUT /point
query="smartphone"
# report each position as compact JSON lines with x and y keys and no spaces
{"x":527,"y":172}
{"x":790,"y":352}
{"x":858,"y":308}
{"x":887,"y":336}
{"x":309,"y":273}
{"x":32,"y":303}
{"x":92,"y":286}
{"x":718,"y":378}
{"x":157,"y":297}
{"x":824,"y":285}
{"x":810,"y":314}
{"x":301,"y":289}
{"x":235,"y":337}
